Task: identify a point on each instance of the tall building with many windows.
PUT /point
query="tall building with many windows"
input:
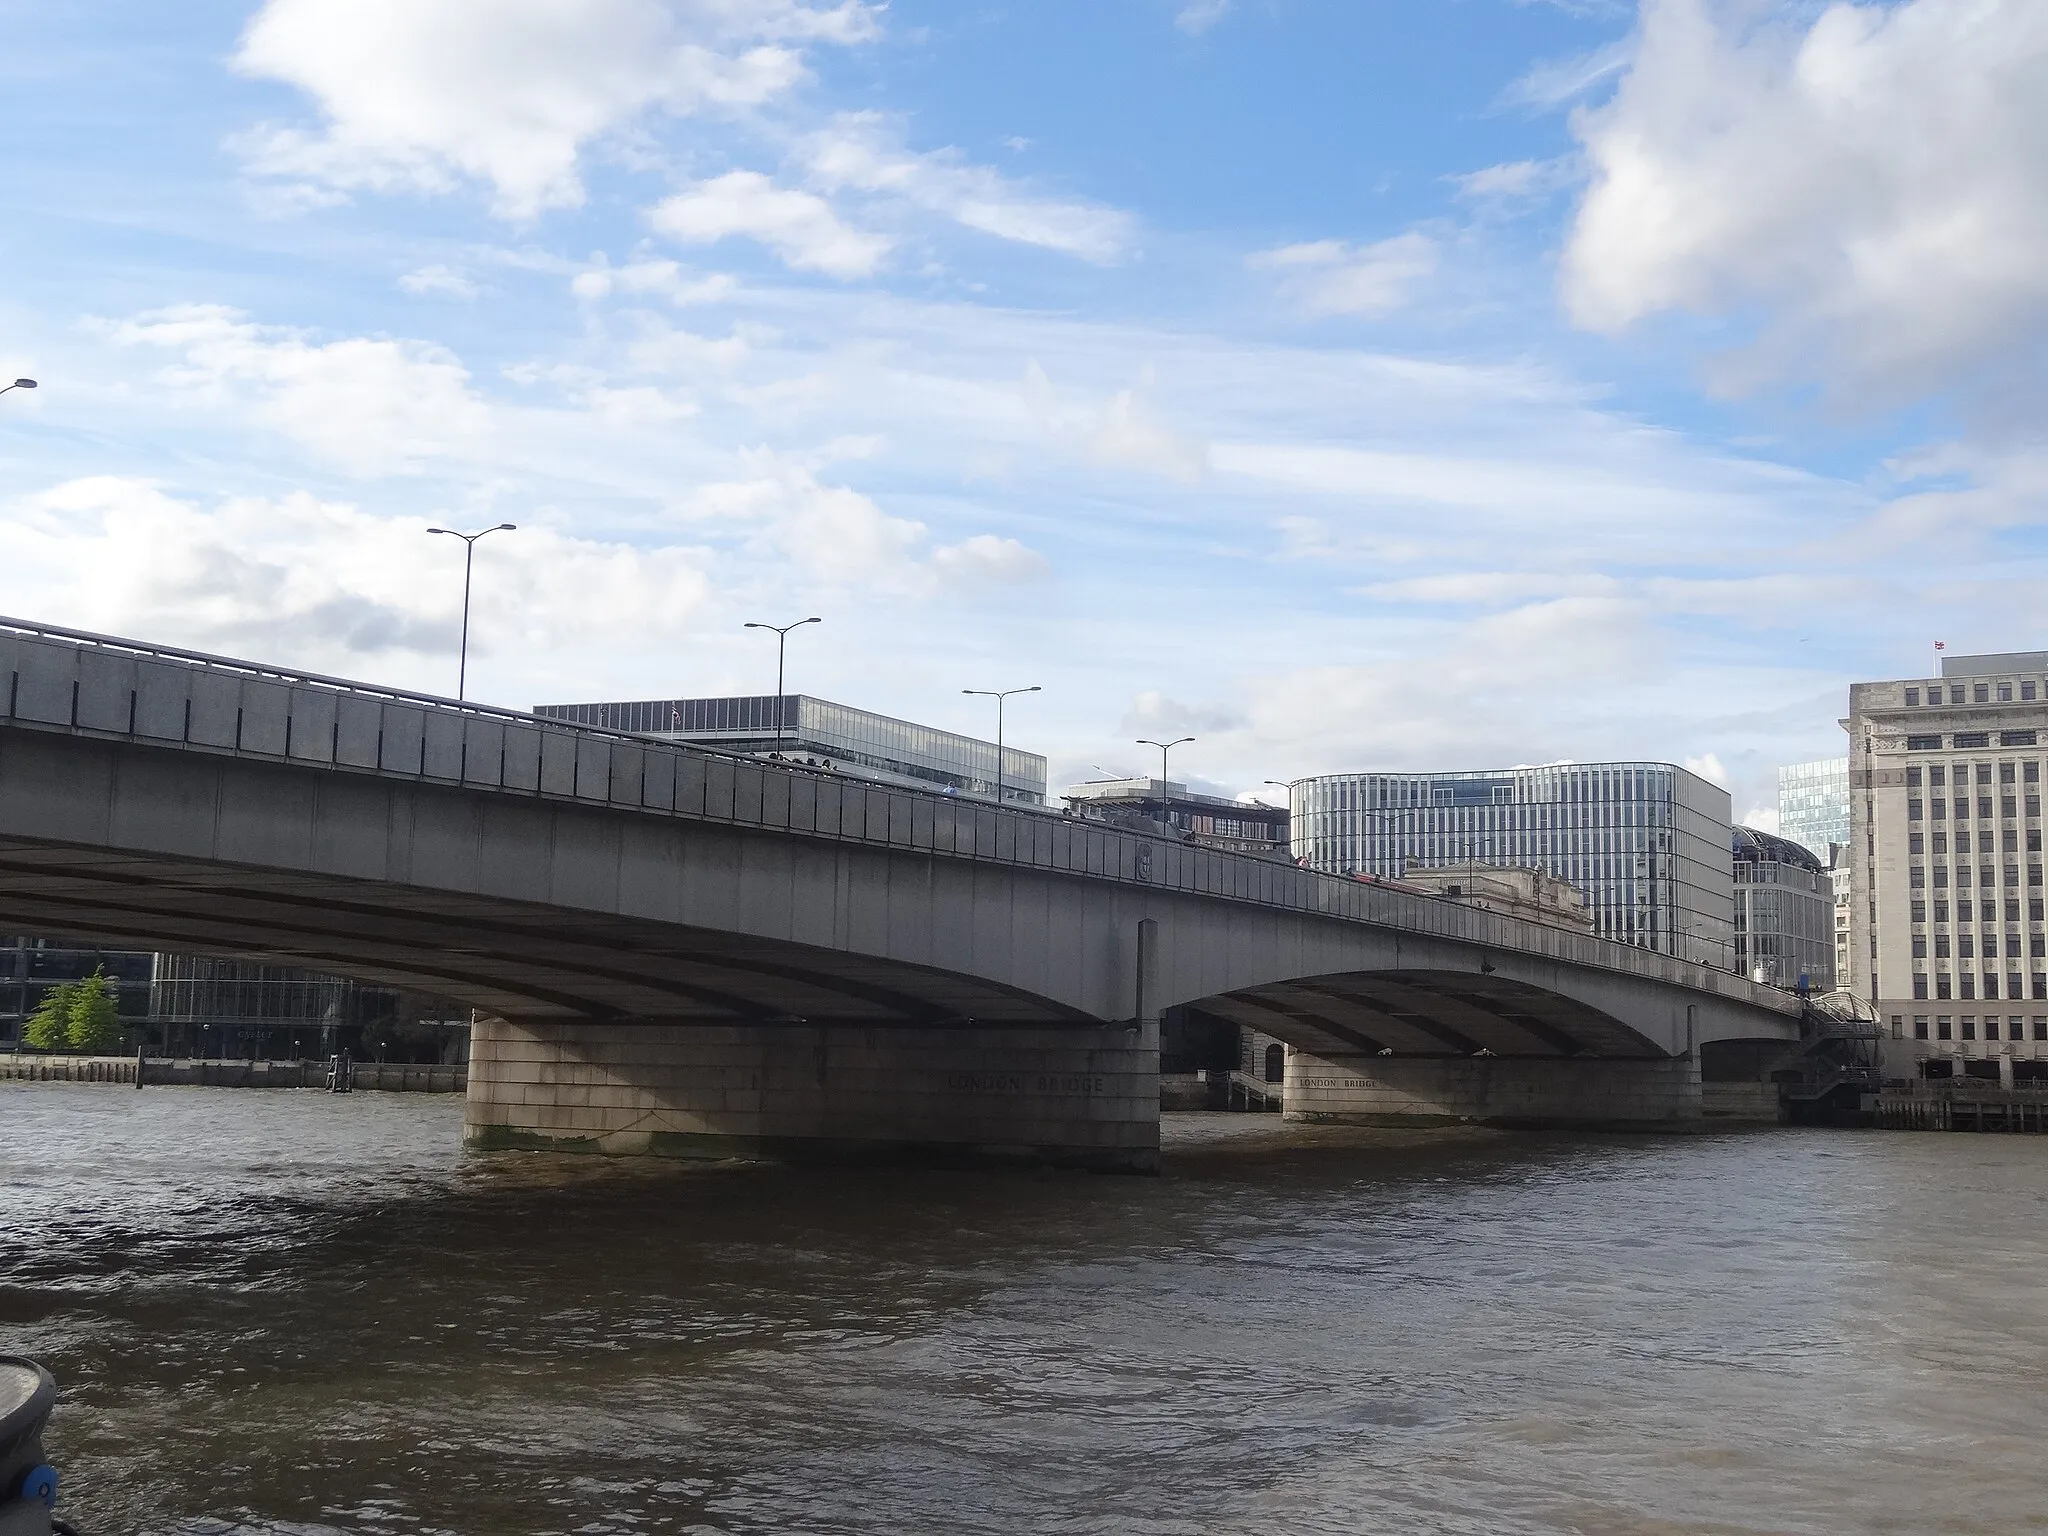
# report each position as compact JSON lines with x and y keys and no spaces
{"x":1946,"y":933}
{"x":1648,"y":843}
{"x":1813,"y":805}
{"x":1784,"y":913}
{"x":856,"y":741}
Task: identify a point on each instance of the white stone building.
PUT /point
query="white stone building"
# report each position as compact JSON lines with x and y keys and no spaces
{"x":1946,"y":933}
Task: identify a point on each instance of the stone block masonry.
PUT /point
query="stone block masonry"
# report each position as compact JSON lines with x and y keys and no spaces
{"x":1656,"y":1093}
{"x":1074,"y":1096}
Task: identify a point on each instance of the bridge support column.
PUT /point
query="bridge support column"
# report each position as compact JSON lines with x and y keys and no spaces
{"x":1080,"y":1097}
{"x":1617,"y":1093}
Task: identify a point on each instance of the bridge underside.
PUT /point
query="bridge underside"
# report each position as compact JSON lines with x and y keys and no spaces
{"x":514,"y":960}
{"x":1427,"y":1013}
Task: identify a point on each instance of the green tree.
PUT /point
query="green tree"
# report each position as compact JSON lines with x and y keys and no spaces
{"x":49,"y":1027}
{"x":95,"y":1016}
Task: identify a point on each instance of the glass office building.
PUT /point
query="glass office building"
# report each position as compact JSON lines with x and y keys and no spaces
{"x":871,"y":746}
{"x":1813,"y":805}
{"x":1648,"y":843}
{"x":1784,"y":913}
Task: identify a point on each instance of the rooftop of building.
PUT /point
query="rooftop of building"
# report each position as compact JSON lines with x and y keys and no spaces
{"x":1995,"y":664}
{"x":1769,"y":848}
{"x":1135,"y":789}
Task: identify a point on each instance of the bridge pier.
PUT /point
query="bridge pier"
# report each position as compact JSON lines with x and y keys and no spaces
{"x":1618,"y":1093}
{"x":1083,"y":1097}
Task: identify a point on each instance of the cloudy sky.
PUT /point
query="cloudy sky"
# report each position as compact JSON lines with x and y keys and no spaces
{"x":1347,"y":383}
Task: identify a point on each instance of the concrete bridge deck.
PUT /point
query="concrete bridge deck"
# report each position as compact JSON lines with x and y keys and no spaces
{"x":730,"y":952}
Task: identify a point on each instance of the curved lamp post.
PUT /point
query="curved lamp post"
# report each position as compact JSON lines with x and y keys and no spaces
{"x":989,"y":693}
{"x":1165,"y":811}
{"x":19,"y":384}
{"x":781,"y":645}
{"x":468,"y":560}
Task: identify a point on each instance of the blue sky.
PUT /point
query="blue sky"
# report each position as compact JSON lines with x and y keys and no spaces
{"x":1347,"y":383}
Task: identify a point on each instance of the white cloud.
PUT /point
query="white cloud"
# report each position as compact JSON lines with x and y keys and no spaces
{"x":1554,"y":82}
{"x":325,"y":585}
{"x":1873,"y":185}
{"x":439,"y":280}
{"x":1331,"y":277}
{"x":419,"y":96}
{"x":988,"y":559}
{"x":839,"y":537}
{"x":1707,"y":766}
{"x":367,"y":405}
{"x":1764,"y":818}
{"x":862,"y":152}
{"x":1515,"y":179}
{"x":662,"y":279}
{"x":1198,"y":16}
{"x":799,"y":227}
{"x":1129,"y":435}
{"x":1125,"y":432}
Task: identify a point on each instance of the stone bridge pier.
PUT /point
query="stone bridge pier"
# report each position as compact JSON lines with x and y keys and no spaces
{"x":1059,"y":1094}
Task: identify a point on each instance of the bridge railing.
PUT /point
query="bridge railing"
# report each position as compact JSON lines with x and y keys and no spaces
{"x":98,"y":685}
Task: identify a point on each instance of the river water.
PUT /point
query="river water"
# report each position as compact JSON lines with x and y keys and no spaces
{"x":286,"y":1312}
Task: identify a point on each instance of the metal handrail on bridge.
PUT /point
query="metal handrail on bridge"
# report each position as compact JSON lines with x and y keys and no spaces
{"x":931,"y":821}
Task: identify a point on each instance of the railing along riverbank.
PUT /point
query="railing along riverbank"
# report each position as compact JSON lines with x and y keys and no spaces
{"x":195,"y":1072}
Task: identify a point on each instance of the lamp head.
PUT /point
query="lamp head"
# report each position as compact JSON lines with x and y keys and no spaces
{"x":24,"y":384}
{"x":445,"y":530}
{"x":505,"y":528}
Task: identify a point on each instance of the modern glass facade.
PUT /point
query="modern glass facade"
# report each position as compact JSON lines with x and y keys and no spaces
{"x":1648,"y":843}
{"x":207,"y":1006}
{"x":30,"y":967}
{"x":1784,"y":913}
{"x":873,"y":746}
{"x":1813,"y":804}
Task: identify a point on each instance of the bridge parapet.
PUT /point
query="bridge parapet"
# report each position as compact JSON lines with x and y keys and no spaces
{"x":73,"y":681}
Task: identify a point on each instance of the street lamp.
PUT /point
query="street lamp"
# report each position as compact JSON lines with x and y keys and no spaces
{"x":19,"y":384}
{"x":1165,"y":811}
{"x":468,"y":560}
{"x":987,"y":693}
{"x":781,"y":645}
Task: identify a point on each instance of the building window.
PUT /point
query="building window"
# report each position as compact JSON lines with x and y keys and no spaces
{"x":1923,"y":743}
{"x":2015,"y":988}
{"x":2005,"y":693}
{"x":2034,"y":910}
{"x":2026,"y":690}
{"x":2005,"y":773}
{"x":1937,"y":776}
{"x":2033,"y":802}
{"x":1919,"y":1026}
{"x":1912,"y":695}
{"x":1969,"y":1022}
{"x":1955,"y":694}
{"x":1990,"y":987}
{"x":2007,"y":806}
{"x":1915,"y":843}
{"x":1913,"y":810}
{"x":1941,"y":842}
{"x":1963,"y":942}
{"x":1940,"y":877}
{"x":1920,"y":990}
{"x":2031,"y":772}
{"x":1982,"y":692}
{"x":1965,"y":740}
{"x":1916,"y":878}
{"x":1919,"y":946}
{"x":1966,"y":987}
{"x":2040,"y":1024}
{"x":1990,"y":1025}
{"x":1941,"y":911}
{"x":1942,"y":1028}
{"x":1912,"y":778}
{"x":1919,"y":911}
